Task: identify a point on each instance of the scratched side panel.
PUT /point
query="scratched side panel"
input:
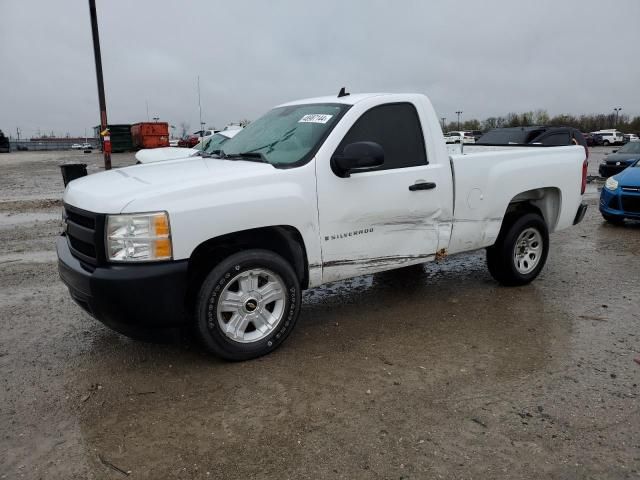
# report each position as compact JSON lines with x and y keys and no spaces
{"x":371,"y":221}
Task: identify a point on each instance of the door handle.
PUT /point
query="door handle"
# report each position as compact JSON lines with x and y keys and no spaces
{"x":422,"y":186}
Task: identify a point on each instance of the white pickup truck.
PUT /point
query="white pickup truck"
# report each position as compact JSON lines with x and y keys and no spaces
{"x":314,"y":191}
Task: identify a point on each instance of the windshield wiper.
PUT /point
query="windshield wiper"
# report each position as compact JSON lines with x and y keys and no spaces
{"x":249,"y":156}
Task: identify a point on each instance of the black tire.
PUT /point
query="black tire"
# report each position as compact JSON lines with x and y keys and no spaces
{"x":208,"y":327}
{"x":501,"y":256}
{"x":613,"y":219}
{"x":606,"y":143}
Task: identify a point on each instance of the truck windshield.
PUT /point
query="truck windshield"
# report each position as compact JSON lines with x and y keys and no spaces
{"x":284,"y":135}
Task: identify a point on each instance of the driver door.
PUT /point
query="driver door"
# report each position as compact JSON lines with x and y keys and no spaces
{"x":385,"y":217}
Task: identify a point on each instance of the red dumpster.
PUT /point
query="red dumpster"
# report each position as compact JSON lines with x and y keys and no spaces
{"x":150,"y":135}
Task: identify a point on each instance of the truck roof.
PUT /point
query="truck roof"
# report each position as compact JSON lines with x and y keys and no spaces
{"x":350,"y":99}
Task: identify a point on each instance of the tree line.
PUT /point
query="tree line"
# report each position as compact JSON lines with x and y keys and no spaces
{"x":584,"y":123}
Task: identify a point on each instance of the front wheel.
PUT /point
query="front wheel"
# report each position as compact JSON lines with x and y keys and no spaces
{"x":248,"y":305}
{"x":520,"y":251}
{"x":606,"y":143}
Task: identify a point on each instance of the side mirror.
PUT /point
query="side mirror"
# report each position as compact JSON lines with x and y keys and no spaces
{"x":357,"y":156}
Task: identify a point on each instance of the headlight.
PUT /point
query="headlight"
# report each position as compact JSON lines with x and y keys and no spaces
{"x":611,"y":183}
{"x":140,"y":237}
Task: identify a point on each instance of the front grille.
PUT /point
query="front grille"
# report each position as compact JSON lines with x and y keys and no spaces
{"x":631,"y":189}
{"x":84,"y":232}
{"x":631,"y":203}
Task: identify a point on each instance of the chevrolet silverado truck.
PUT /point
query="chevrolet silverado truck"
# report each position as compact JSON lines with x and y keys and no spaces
{"x":314,"y":191}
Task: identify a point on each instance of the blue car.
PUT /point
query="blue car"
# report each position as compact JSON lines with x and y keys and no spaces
{"x":620,"y":197}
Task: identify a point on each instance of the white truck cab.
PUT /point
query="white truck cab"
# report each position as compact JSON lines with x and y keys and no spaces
{"x":314,"y":191}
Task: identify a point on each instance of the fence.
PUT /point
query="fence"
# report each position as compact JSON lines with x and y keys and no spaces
{"x":49,"y":145}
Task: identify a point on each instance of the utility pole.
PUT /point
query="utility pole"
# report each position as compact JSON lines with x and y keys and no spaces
{"x":617,"y":110}
{"x":147,"y":101}
{"x":98,"y":60}
{"x":459,"y":112}
{"x":18,"y":132}
{"x":443,"y":120}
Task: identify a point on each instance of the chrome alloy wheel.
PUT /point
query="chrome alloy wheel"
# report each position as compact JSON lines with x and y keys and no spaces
{"x":251,"y":305}
{"x":527,"y":250}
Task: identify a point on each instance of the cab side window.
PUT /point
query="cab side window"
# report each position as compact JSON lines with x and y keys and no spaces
{"x":396,"y":128}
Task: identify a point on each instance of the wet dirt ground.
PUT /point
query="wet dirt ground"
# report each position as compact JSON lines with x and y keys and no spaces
{"x":427,"y":372}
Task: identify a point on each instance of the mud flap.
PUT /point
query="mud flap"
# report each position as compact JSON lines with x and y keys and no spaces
{"x":582,"y":209}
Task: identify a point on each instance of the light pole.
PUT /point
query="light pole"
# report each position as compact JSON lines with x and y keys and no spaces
{"x":443,"y":120}
{"x":459,"y":112}
{"x":617,"y":110}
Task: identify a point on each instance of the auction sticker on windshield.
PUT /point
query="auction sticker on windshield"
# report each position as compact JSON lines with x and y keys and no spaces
{"x":315,"y":118}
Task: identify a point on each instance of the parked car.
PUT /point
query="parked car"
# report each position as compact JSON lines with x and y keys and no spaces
{"x":537,"y":135}
{"x":312,"y":192}
{"x":631,"y":137}
{"x":620,"y":197}
{"x":459,"y":137}
{"x":5,"y":146}
{"x":192,"y":140}
{"x":174,"y":153}
{"x":596,"y":139}
{"x":610,"y":137}
{"x":618,"y":160}
{"x":87,"y":146}
{"x":476,"y":134}
{"x":76,"y":146}
{"x":588,"y":138}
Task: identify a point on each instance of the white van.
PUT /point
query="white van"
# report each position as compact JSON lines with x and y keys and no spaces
{"x":610,"y":137}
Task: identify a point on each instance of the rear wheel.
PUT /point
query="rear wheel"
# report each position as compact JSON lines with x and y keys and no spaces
{"x":606,"y":143}
{"x":520,"y":251}
{"x":248,"y":305}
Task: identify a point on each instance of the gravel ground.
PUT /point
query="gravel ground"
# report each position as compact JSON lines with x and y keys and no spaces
{"x":428,"y":372}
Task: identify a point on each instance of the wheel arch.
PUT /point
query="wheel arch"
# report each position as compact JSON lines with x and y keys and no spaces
{"x":546,"y":201}
{"x":284,"y":240}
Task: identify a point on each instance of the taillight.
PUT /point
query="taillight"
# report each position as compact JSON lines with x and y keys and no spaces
{"x":585,"y":164}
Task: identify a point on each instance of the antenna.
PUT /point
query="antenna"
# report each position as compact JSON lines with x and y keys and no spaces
{"x":343,"y":93}
{"x":200,"y":108}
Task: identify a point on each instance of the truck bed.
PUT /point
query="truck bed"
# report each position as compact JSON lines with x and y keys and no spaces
{"x":537,"y":174}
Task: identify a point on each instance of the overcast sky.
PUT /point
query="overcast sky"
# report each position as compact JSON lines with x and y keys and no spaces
{"x":483,"y":57}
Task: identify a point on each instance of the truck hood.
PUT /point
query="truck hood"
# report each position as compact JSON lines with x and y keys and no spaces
{"x":150,"y":155}
{"x":113,"y":190}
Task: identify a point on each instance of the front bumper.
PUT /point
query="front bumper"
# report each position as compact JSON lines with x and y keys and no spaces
{"x":124,"y":296}
{"x":613,"y":204}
